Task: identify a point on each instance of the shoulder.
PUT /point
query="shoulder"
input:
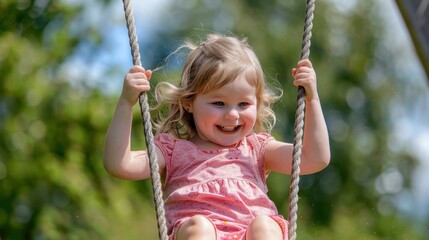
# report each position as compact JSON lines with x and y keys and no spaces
{"x":164,"y":138}
{"x":165,"y":142}
{"x":259,"y":140}
{"x":260,"y":137}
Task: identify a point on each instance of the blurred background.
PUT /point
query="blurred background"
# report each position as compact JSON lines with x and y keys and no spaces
{"x":61,"y":69}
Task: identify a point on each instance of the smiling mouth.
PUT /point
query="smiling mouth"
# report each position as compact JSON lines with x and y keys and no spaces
{"x":229,"y":128}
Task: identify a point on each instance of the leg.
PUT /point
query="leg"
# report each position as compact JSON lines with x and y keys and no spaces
{"x":264,"y":227}
{"x":196,"y":228}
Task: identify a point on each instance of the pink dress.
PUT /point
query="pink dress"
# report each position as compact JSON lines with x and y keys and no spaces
{"x":228,"y":186}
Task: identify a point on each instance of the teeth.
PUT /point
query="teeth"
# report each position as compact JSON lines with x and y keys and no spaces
{"x":229,"y":128}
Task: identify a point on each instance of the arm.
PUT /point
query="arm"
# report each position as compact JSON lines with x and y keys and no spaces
{"x":118,"y":158}
{"x":315,"y":149}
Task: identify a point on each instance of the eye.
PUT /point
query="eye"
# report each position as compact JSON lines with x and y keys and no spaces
{"x":243,"y":104}
{"x":218,"y":104}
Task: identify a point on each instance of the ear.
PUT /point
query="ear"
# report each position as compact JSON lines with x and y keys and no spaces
{"x":187,"y":106}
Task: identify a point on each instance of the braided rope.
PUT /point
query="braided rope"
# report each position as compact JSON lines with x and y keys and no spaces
{"x":144,"y":110}
{"x":299,"y":126}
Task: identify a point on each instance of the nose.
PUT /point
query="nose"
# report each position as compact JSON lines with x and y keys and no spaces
{"x":232,"y":113}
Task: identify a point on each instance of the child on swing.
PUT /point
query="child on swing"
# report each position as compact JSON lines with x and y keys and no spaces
{"x":213,"y":146}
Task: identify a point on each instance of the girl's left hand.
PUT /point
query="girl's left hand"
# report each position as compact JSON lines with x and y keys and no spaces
{"x":305,"y":76}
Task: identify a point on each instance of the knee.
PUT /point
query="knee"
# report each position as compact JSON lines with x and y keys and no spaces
{"x":196,"y":227}
{"x":264,"y":227}
{"x":201,"y":222}
{"x":264,"y":223}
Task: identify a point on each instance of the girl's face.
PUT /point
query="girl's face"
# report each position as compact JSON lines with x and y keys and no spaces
{"x":226,"y":115}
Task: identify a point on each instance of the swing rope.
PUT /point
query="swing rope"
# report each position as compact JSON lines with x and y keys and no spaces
{"x":299,"y":125}
{"x":146,"y":121}
{"x":144,"y":110}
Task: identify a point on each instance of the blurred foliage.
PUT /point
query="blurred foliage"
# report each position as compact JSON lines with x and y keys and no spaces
{"x":53,"y":184}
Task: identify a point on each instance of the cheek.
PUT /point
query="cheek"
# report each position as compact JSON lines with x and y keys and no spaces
{"x":206,"y":115}
{"x":250,"y":114}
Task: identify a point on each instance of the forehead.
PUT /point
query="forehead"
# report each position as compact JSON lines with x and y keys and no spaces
{"x":239,"y":87}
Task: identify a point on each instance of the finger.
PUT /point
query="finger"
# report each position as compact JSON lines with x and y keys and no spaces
{"x":305,"y":69}
{"x":300,"y":81}
{"x":148,"y":74}
{"x":305,"y":63}
{"x":136,"y":69}
{"x":294,"y":70}
{"x":138,"y":82}
{"x":135,"y":77}
{"x":143,"y":88}
{"x":303,"y":75}
{"x":138,"y":86}
{"x":303,"y":81}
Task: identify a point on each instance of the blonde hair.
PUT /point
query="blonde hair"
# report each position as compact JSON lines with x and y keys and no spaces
{"x":210,"y":65}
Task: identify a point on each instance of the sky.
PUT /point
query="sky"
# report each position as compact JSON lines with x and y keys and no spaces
{"x":410,"y":109}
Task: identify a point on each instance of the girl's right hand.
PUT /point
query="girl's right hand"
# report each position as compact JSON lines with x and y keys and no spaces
{"x":136,"y":81}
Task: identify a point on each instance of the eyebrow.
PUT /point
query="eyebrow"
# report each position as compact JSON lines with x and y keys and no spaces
{"x":217,"y":97}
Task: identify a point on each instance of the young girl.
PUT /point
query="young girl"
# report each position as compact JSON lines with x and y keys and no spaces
{"x":213,"y":148}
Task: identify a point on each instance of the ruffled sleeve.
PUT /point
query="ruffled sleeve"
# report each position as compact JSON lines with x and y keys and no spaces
{"x":165,"y":142}
{"x":263,"y":138}
{"x":258,"y":142}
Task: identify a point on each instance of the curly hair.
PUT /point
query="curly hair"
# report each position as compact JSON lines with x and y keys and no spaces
{"x":209,"y":66}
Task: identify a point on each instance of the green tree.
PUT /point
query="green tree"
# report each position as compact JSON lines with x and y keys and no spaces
{"x":52,"y":126}
{"x":52,"y":182}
